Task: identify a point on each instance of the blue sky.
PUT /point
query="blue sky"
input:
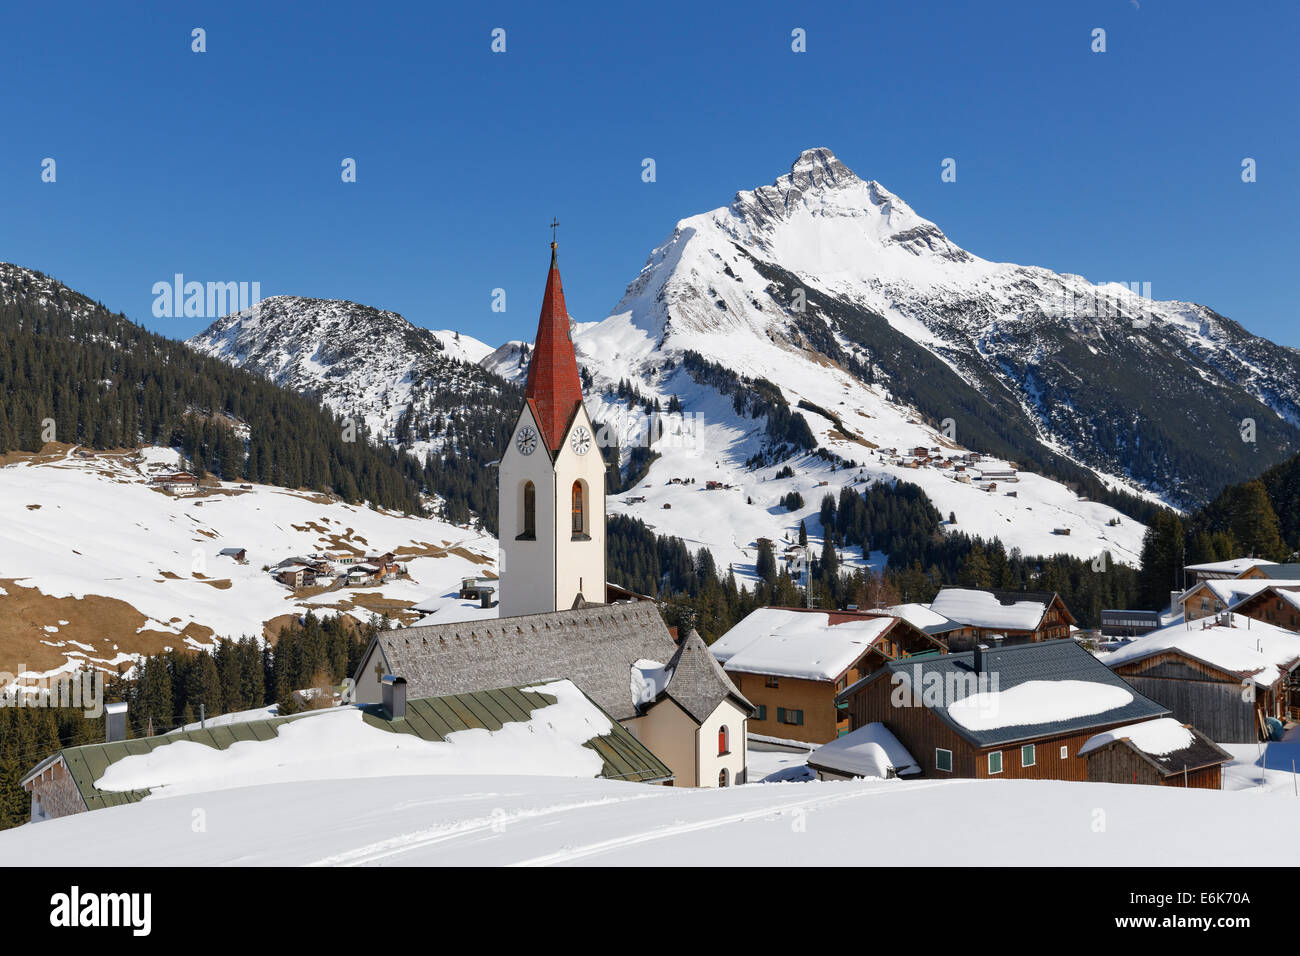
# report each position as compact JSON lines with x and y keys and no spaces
{"x":225,"y":165}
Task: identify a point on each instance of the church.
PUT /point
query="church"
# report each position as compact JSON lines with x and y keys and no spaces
{"x":556,"y":618}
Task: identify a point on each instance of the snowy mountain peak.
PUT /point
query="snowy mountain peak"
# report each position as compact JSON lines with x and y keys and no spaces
{"x":818,"y":168}
{"x":823,"y":206}
{"x":365,"y":363}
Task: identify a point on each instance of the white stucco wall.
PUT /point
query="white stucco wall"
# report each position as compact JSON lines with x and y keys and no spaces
{"x":527,"y":568}
{"x":711,"y":764}
{"x":546,"y":574}
{"x":691,"y":750}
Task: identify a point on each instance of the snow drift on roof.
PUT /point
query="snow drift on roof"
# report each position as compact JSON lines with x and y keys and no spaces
{"x":338,"y":744}
{"x":1037,"y":702}
{"x":1249,"y":648}
{"x":1235,"y":566}
{"x":1158,"y":737}
{"x":918,"y":615}
{"x":790,"y":643}
{"x":869,"y":751}
{"x":983,"y":609}
{"x":649,"y":678}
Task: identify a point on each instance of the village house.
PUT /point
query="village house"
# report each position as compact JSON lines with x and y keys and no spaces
{"x":1120,"y":622}
{"x":1160,"y":752}
{"x":1013,"y":616}
{"x":1275,"y":604}
{"x":1020,"y":711}
{"x":239,"y":555}
{"x":73,"y":779}
{"x":1222,"y":569}
{"x":791,"y":662}
{"x":1213,"y":596}
{"x":1268,"y":570}
{"x":176,"y":483}
{"x":293,"y":575}
{"x":1226,"y":679}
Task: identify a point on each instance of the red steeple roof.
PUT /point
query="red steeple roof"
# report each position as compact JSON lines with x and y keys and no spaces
{"x":554,"y":389}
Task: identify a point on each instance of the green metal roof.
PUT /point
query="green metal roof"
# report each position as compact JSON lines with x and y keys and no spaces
{"x":429,"y":718}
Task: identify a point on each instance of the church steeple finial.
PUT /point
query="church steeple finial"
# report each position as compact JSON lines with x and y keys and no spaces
{"x":555,"y":224}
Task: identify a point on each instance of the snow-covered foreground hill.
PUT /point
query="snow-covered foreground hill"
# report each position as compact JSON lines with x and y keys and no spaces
{"x":96,"y":565}
{"x":548,"y":821}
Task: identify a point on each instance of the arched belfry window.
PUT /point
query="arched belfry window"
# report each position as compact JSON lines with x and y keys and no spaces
{"x":579,"y":509}
{"x":530,"y":511}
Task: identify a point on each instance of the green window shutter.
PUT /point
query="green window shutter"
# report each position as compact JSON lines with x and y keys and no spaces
{"x":943,"y":759}
{"x":1027,"y":755}
{"x":995,"y":762}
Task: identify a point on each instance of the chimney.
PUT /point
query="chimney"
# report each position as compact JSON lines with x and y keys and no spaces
{"x":114,"y":723}
{"x":977,"y":661}
{"x":394,"y":697}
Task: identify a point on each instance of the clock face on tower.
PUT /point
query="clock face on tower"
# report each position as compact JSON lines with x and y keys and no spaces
{"x":526,"y":440}
{"x":581,"y":441}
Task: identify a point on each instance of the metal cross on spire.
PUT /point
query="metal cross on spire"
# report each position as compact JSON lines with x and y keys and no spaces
{"x":555,"y":224}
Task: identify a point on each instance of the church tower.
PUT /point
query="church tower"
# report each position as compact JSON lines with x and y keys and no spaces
{"x":552,"y":480}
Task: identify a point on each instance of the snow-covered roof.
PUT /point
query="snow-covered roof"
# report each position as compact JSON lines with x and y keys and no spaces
{"x":1037,"y":702}
{"x":1228,"y":591}
{"x":1234,"y":566}
{"x":1158,"y":737}
{"x":1246,"y":647}
{"x":1014,"y":611}
{"x":922,"y":617}
{"x":546,"y":733}
{"x":787,"y":642}
{"x":1165,"y":744}
{"x":649,"y":680}
{"x":870,"y":751}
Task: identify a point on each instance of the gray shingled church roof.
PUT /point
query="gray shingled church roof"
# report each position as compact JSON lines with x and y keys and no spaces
{"x":698,"y":683}
{"x":593,"y":646}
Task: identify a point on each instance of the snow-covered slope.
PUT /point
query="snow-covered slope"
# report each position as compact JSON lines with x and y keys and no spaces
{"x":96,"y":565}
{"x":550,"y":821}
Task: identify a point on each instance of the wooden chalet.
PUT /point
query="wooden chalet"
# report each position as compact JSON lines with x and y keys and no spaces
{"x":791,"y":662}
{"x":1267,"y":570}
{"x":1221,"y":570}
{"x":1015,"y":617}
{"x":1277,"y":604}
{"x":1001,"y":730}
{"x":1161,"y":752}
